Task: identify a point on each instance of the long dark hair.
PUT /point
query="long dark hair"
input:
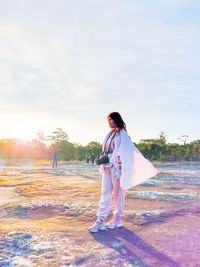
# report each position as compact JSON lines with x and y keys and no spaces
{"x":117,"y":118}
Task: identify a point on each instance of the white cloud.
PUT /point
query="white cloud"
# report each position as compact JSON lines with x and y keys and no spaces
{"x":76,"y":61}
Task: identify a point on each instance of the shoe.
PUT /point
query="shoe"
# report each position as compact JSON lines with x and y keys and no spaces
{"x":114,"y":223}
{"x":97,"y":226}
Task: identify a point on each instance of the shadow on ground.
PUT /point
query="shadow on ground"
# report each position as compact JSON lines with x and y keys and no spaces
{"x":132,"y":248}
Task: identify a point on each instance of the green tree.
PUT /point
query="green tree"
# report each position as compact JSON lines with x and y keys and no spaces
{"x":59,"y":141}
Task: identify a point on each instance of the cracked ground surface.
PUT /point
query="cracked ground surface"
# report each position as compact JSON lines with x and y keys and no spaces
{"x":45,"y":213}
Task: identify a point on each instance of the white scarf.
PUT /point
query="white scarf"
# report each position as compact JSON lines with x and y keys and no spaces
{"x":135,"y":167}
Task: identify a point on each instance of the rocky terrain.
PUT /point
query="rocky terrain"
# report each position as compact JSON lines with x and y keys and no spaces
{"x":45,"y":213}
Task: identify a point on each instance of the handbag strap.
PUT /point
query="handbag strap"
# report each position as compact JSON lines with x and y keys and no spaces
{"x":110,"y":141}
{"x":105,"y":143}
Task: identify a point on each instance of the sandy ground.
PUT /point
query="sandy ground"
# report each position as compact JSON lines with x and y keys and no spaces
{"x":45,"y":213}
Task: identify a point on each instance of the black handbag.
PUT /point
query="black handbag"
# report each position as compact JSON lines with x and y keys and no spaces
{"x":103,"y":159}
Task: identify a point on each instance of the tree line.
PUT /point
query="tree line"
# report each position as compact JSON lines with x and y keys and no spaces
{"x":42,"y":147}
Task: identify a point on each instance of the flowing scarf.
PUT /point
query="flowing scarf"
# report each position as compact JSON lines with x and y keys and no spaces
{"x":135,"y":167}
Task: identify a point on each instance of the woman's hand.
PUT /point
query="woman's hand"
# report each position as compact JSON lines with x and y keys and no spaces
{"x":118,"y":174}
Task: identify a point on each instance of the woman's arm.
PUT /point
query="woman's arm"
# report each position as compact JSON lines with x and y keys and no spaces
{"x":118,"y":171}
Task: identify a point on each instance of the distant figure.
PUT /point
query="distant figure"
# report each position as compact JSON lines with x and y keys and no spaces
{"x":55,"y":159}
{"x":87,"y":157}
{"x":92,"y":157}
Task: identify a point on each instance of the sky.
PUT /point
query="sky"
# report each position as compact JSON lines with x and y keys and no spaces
{"x":67,"y":64}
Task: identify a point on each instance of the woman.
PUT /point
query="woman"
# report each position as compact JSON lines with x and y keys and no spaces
{"x":127,"y":167}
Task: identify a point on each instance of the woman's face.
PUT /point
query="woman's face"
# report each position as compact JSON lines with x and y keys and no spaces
{"x":111,"y":123}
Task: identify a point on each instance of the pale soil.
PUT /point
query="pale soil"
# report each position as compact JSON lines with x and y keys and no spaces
{"x":45,"y":213}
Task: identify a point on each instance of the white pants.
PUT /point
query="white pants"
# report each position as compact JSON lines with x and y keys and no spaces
{"x":110,"y":186}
